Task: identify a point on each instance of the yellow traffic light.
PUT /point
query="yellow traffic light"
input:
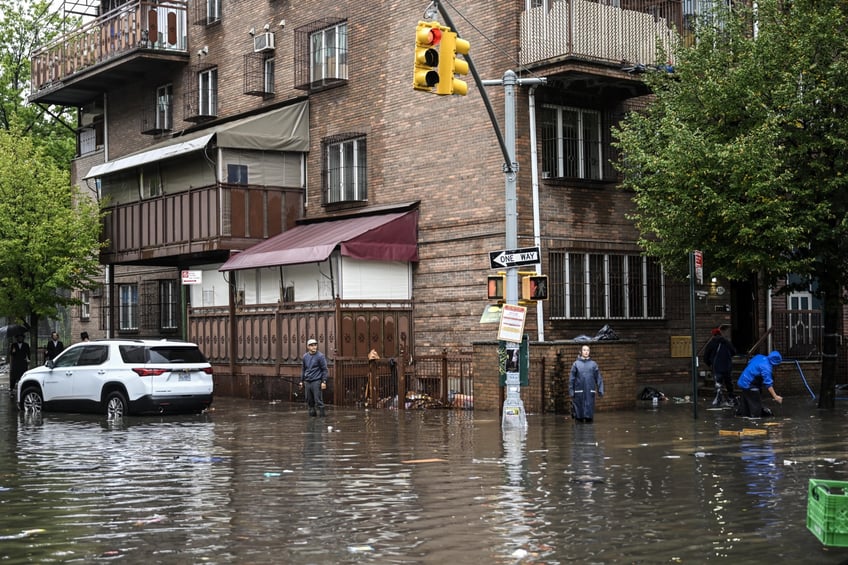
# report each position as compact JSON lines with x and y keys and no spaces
{"x":534,"y":287}
{"x":449,"y":65}
{"x":427,"y":36}
{"x":496,"y":287}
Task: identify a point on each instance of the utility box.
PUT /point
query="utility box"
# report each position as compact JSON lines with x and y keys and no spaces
{"x":681,"y":346}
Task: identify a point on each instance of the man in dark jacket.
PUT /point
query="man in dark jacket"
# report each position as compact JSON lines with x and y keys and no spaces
{"x":719,"y":355}
{"x":18,"y":361}
{"x":314,"y":378}
{"x":54,"y":347}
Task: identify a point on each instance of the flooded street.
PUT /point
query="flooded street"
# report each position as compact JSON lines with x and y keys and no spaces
{"x":263,"y":483}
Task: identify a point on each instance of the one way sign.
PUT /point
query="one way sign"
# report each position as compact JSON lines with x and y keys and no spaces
{"x":515,"y":257}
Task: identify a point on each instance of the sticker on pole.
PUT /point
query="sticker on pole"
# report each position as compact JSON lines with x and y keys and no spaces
{"x":511,"y":327}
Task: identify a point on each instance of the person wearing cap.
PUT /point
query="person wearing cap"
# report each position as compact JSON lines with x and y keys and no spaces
{"x":314,"y":378}
{"x":756,"y":375}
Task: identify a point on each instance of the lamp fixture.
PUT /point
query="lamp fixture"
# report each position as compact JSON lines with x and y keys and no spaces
{"x":252,"y":31}
{"x":267,"y":27}
{"x":282,"y":23}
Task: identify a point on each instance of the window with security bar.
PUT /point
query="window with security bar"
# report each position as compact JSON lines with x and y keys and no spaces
{"x":128,"y":307}
{"x":321,"y":54}
{"x":596,"y":285}
{"x":575,"y":143}
{"x":168,"y":304}
{"x":344,"y":170}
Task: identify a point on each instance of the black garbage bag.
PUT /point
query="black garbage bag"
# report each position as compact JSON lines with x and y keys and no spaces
{"x":606,"y":333}
{"x":649,"y":393}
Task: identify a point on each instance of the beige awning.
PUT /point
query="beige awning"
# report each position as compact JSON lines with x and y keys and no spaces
{"x":284,"y":129}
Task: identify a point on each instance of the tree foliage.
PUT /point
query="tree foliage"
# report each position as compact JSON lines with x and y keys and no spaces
{"x":742,"y":154}
{"x":48,"y":232}
{"x":23,"y":27}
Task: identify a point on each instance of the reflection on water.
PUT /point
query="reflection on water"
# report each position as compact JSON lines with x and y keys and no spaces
{"x":263,"y":483}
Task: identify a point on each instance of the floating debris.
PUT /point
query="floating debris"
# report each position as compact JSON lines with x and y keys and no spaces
{"x":360,"y":548}
{"x":435,"y":460}
{"x":24,"y":534}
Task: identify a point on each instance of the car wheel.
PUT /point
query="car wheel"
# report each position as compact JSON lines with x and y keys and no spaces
{"x":31,"y":400}
{"x":116,"y":405}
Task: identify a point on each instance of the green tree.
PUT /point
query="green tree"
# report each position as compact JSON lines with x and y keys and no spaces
{"x":48,"y":233}
{"x":23,"y":27}
{"x":742,"y":153}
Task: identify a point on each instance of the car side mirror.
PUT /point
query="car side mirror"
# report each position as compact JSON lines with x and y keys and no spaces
{"x":49,"y":363}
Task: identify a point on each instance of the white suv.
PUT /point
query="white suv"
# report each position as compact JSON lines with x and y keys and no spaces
{"x":118,"y":377}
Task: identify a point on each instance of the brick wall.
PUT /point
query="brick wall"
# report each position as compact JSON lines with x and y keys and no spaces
{"x":618,"y":361}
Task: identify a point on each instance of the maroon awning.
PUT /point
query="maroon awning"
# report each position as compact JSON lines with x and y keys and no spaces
{"x":383,"y":237}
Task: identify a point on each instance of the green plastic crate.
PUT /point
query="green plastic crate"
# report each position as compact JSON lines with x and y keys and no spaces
{"x":827,"y":511}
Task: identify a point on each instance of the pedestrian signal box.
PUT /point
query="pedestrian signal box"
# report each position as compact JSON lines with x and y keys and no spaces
{"x":534,"y":287}
{"x":496,"y":287}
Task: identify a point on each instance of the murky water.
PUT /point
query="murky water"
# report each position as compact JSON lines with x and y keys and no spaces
{"x":262,"y":483}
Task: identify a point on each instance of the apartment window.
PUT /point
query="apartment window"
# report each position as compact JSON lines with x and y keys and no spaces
{"x":150,"y":181}
{"x":213,"y":11}
{"x":605,"y":286}
{"x":344,"y":170}
{"x":237,"y":174}
{"x":329,"y":53}
{"x":208,"y":92}
{"x":572,"y":144}
{"x":128,"y":307}
{"x":268,"y":75}
{"x":85,"y":305}
{"x":168,"y":305}
{"x":164,"y":115}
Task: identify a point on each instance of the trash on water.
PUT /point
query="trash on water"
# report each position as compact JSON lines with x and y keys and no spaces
{"x":519,"y":553}
{"x":24,"y":534}
{"x":746,"y":432}
{"x":272,"y":474}
{"x":360,"y":548}
{"x":434,"y":460}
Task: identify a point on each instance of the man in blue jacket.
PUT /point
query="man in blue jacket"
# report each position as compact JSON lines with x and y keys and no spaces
{"x":314,"y":378}
{"x":756,"y":375}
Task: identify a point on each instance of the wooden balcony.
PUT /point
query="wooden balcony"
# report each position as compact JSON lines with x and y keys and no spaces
{"x":203,"y":223}
{"x":620,"y":32}
{"x":137,"y":39}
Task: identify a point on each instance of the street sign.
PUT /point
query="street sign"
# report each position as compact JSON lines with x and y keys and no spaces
{"x":515,"y":257}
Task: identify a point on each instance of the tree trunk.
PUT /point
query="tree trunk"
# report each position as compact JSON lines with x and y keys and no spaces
{"x":33,"y":346}
{"x":830,"y":345}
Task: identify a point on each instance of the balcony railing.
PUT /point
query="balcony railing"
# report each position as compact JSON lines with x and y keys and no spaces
{"x":155,"y":26}
{"x":613,"y":31}
{"x":204,"y":219}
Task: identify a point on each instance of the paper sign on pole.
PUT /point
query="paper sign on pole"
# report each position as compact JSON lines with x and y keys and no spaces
{"x":512,"y":323}
{"x":192,"y":277}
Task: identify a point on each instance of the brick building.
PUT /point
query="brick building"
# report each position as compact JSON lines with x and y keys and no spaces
{"x":271,"y":175}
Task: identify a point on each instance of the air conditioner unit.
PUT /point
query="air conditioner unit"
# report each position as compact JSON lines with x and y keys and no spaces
{"x":263,"y":42}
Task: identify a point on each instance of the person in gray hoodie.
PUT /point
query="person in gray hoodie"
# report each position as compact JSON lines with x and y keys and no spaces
{"x":585,"y":382}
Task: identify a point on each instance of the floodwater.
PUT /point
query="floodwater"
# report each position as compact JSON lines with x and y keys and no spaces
{"x":255,"y":482}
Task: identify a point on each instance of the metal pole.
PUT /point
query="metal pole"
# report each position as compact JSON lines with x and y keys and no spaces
{"x":694,"y":360}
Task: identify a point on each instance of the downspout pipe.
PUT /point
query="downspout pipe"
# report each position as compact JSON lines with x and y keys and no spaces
{"x":534,"y":175}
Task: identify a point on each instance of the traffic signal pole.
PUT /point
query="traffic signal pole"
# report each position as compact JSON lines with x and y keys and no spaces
{"x":513,"y":408}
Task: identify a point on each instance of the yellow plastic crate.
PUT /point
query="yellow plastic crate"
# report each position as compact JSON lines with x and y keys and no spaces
{"x":827,"y":511}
